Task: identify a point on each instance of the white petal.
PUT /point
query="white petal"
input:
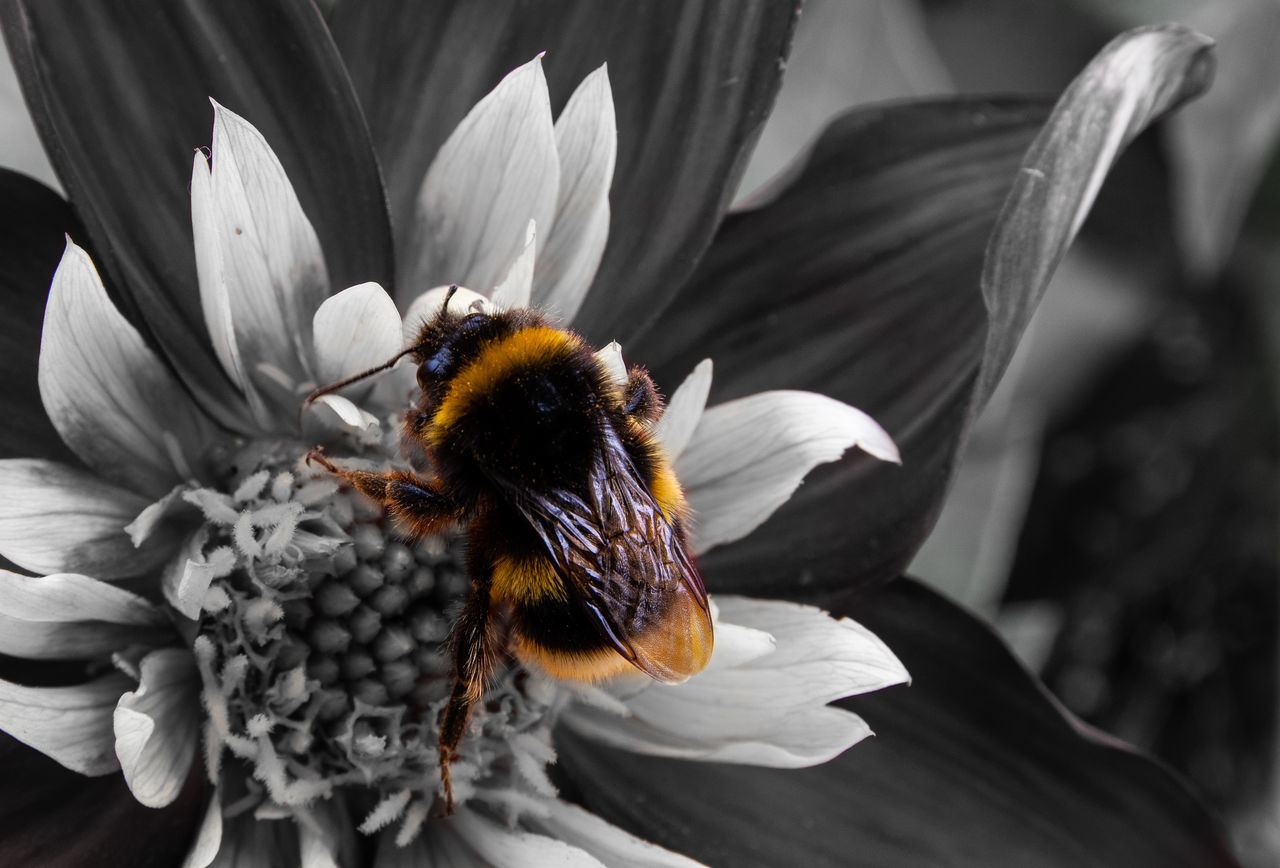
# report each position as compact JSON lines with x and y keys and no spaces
{"x":355,"y":330}
{"x":248,"y":842}
{"x":157,"y":727}
{"x":515,"y":289}
{"x":467,"y":839}
{"x":186,"y":579}
{"x":214,"y":301}
{"x":610,"y":355}
{"x":676,"y":426}
{"x":587,"y":143}
{"x":67,"y":616}
{"x":71,"y":725}
{"x":765,"y":709}
{"x":747,"y":457}
{"x":317,"y":850}
{"x":209,"y":838}
{"x":56,"y":519}
{"x":497,"y":171}
{"x":425,"y":307}
{"x":108,"y":394}
{"x":335,"y":413}
{"x":603,"y":840}
{"x":271,"y":262}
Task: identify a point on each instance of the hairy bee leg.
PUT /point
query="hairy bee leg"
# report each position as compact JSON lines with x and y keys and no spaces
{"x":415,"y":502}
{"x":641,"y":400}
{"x":475,"y":648}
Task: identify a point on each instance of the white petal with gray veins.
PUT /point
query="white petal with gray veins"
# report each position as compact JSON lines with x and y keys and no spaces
{"x":587,"y":145}
{"x":157,"y":727}
{"x":71,"y":725}
{"x":746,"y":457}
{"x":495,"y":173}
{"x":113,"y":401}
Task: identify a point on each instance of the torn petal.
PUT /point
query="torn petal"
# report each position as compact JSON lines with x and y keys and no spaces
{"x":157,"y":727}
{"x":746,"y":457}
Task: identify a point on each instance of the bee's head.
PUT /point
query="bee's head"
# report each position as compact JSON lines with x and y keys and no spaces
{"x":452,"y":335}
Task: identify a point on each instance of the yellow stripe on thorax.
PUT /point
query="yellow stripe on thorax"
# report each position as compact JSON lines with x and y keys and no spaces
{"x":527,"y":580}
{"x":497,"y":360}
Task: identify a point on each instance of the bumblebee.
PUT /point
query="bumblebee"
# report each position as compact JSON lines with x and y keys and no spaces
{"x":574,"y":517}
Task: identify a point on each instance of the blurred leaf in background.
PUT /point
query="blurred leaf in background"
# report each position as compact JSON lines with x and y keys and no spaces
{"x":1115,"y":514}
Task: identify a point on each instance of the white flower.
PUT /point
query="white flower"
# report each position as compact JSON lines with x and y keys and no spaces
{"x":293,"y":641}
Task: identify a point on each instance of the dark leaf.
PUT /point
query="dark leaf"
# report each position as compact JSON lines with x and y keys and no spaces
{"x":34,"y":221}
{"x":860,"y":280}
{"x":120,"y":94}
{"x":56,"y":818}
{"x":973,"y":765}
{"x":692,"y":85}
{"x":881,"y":275}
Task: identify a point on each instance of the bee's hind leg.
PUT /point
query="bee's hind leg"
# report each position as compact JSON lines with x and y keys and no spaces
{"x":476,"y":646}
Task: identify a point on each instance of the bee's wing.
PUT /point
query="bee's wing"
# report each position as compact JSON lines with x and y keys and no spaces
{"x":629,"y":566}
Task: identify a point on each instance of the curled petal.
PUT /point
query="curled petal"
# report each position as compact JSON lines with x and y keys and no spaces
{"x":587,"y":144}
{"x":71,"y":725}
{"x":157,"y":727}
{"x":67,"y":616}
{"x":355,"y":330}
{"x":497,"y":171}
{"x":56,"y":519}
{"x":111,"y":398}
{"x":746,"y":457}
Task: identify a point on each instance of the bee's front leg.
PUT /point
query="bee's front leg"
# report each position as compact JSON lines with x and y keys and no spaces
{"x":415,"y":503}
{"x":475,"y":647}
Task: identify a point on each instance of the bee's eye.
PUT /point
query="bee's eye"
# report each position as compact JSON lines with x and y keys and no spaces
{"x":434,"y":367}
{"x":471,"y":322}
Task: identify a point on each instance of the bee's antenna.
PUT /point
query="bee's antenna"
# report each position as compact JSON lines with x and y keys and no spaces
{"x":355,"y":378}
{"x":448,"y":297}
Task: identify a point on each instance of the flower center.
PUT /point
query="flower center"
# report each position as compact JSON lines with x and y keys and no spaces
{"x":323,"y":648}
